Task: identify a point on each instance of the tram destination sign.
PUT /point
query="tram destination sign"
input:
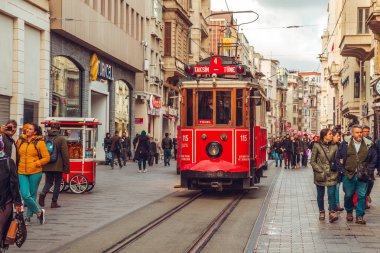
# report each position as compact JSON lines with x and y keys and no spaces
{"x":215,"y":67}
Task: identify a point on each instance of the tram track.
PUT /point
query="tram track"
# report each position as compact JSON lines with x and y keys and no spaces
{"x":139,"y":233}
{"x":213,"y":227}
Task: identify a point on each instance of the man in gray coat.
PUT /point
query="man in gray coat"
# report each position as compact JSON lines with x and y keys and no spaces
{"x":53,"y":170}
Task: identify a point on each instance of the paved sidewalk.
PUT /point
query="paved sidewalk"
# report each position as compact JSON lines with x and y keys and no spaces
{"x":117,"y":192}
{"x":292,"y":224}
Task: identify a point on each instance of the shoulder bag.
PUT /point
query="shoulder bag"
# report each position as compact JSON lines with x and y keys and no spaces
{"x":332,"y":163}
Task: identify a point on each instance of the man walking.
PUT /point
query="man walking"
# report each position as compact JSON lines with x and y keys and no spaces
{"x":116,"y":149}
{"x":287,"y":146}
{"x":167,"y":145}
{"x":125,"y":148}
{"x":53,"y":170}
{"x":153,"y":153}
{"x":356,"y":158}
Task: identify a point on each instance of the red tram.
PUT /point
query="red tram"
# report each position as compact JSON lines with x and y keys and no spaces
{"x":222,"y":137}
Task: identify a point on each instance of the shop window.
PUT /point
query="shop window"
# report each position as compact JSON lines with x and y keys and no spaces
{"x":67,"y":91}
{"x":122,"y":106}
{"x":30,"y":112}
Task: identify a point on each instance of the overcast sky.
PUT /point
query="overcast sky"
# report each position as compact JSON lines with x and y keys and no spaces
{"x":296,"y":48}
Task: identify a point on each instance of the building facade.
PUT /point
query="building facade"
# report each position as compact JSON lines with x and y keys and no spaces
{"x":346,"y":61}
{"x":96,"y":47}
{"x":25,"y":63}
{"x":176,"y":19}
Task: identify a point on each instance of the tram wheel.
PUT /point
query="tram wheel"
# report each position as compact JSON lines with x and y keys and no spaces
{"x":61,"y":187}
{"x":78,"y":184}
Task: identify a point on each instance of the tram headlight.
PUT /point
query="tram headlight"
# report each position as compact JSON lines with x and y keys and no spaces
{"x":214,"y":149}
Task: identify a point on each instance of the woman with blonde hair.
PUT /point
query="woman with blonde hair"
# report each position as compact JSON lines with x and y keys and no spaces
{"x":33,"y":154}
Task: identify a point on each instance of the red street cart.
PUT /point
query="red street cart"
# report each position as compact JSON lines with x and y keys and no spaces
{"x":80,"y":134}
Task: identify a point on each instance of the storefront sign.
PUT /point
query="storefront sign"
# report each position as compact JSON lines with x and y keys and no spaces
{"x":139,"y":120}
{"x":99,"y":69}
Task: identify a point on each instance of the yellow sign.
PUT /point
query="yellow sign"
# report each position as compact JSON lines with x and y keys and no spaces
{"x":227,"y":43}
{"x":94,"y":67}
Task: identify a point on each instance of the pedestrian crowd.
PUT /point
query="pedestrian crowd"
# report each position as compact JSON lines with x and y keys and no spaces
{"x":145,"y":149}
{"x":22,"y":162}
{"x":293,"y":150}
{"x":337,"y":159}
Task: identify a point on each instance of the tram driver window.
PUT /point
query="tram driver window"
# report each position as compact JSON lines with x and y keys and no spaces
{"x":223,"y":107}
{"x":205,"y":106}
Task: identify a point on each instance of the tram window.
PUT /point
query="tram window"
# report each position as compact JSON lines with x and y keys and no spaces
{"x":239,"y":107}
{"x":223,"y":107}
{"x":189,"y":109}
{"x":205,"y":106}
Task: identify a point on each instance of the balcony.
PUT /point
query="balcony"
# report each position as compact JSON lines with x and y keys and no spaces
{"x":358,"y":46}
{"x":373,"y":20}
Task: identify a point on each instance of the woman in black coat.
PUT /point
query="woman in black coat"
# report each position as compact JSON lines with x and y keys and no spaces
{"x":9,"y":194}
{"x":142,"y":151}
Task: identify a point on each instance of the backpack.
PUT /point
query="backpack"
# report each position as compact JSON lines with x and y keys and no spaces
{"x":51,"y":146}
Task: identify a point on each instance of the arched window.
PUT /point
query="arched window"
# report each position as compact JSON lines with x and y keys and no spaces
{"x":122,"y":106}
{"x":67,"y":88}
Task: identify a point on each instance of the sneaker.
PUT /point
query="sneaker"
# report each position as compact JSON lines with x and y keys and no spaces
{"x":145,"y":171}
{"x":369,"y":199}
{"x":55,"y":205}
{"x":42,"y":216}
{"x":360,"y":220}
{"x":338,"y":208}
{"x":139,"y":171}
{"x":27,"y":221}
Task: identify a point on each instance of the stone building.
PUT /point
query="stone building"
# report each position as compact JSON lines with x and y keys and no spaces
{"x":25,"y":60}
{"x":176,"y":20}
{"x":96,"y":46}
{"x":281,"y":90}
{"x":199,"y":31}
{"x":346,"y":61}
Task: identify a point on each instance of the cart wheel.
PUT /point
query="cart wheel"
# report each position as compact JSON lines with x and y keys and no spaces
{"x":66,"y":187}
{"x":61,"y":187}
{"x":78,"y":184}
{"x":90,"y":187}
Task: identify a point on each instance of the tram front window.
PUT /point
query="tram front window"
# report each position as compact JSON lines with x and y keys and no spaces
{"x":205,"y":106}
{"x":223,"y":107}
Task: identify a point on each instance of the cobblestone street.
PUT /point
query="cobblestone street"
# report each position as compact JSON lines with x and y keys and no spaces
{"x":292,"y":224}
{"x":117,"y":193}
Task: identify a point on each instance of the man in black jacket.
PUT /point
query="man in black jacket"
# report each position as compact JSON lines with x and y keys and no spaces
{"x":167,"y":145}
{"x":356,"y":160}
{"x":287,"y":145}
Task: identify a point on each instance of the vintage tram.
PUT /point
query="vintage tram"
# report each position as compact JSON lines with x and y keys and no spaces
{"x":222,"y":136}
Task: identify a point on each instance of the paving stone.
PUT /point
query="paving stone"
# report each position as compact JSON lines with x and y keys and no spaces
{"x":293,"y":212}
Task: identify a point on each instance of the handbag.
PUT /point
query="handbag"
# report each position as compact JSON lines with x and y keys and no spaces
{"x":12,"y":232}
{"x":332,"y":163}
{"x":21,"y":230}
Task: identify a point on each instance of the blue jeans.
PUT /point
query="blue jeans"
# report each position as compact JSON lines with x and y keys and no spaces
{"x":330,"y":196}
{"x":167,"y":156}
{"x":349,"y":188}
{"x":28,"y":188}
{"x":337,"y":194}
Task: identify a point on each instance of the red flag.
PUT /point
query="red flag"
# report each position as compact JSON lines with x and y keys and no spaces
{"x":332,"y":48}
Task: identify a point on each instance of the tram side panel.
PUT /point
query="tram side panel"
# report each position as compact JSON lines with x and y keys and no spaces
{"x":196,"y":165}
